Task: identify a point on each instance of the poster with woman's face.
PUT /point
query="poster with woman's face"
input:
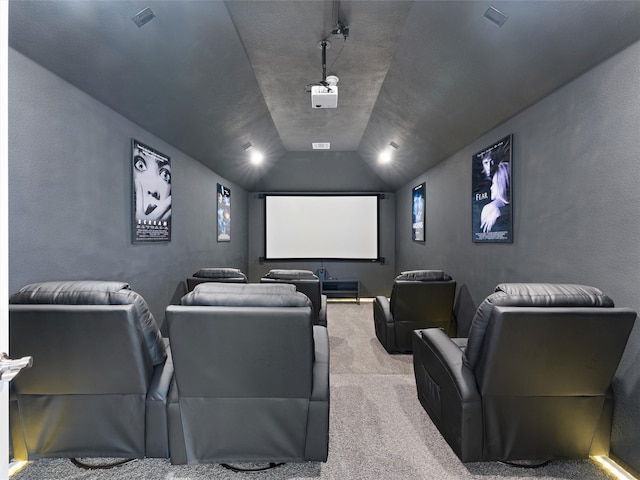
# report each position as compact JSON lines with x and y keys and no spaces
{"x":224,"y":214}
{"x":151,"y":173}
{"x":491,"y":205}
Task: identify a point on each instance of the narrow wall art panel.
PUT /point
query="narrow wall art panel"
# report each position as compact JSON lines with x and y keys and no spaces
{"x":491,"y":196}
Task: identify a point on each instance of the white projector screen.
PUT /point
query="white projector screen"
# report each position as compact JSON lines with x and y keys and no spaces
{"x":321,"y":227}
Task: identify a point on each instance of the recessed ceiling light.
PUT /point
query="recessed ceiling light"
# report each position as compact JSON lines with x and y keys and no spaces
{"x":495,"y":16}
{"x":143,"y":17}
{"x":385,"y":156}
{"x":256,"y":157}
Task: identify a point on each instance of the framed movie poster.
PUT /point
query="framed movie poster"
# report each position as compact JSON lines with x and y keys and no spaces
{"x":151,"y":179}
{"x":491,"y":206}
{"x":224,"y":214}
{"x":417,"y":213}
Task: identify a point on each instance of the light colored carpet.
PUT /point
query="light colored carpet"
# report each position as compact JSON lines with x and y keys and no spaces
{"x":378,"y":429}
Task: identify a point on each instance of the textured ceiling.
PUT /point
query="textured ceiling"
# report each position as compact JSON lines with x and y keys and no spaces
{"x":210,"y":76}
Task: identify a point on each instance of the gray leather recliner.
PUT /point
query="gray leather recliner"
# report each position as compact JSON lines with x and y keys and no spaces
{"x":419,"y":299}
{"x":306,"y":282}
{"x":252,"y":376}
{"x":101,"y":373}
{"x":533,"y":379}
{"x":215,"y":274}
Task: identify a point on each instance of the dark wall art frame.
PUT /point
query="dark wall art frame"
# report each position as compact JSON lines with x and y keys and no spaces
{"x":417,"y":213}
{"x":151,"y":194}
{"x":224,"y":213}
{"x":491,"y":193}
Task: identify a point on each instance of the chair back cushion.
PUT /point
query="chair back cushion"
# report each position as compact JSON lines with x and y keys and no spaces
{"x":543,"y":295}
{"x":89,"y":292}
{"x":249,"y":350}
{"x":420,"y":293}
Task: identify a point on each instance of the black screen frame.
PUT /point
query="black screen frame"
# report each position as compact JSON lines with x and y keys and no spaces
{"x":377,"y":259}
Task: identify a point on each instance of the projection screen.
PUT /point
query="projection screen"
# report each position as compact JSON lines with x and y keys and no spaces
{"x":321,"y":227}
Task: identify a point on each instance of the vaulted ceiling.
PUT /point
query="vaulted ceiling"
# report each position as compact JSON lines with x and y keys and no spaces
{"x":210,"y":76}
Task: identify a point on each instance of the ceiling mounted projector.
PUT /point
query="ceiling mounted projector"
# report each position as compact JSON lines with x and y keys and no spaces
{"x":324,"y":96}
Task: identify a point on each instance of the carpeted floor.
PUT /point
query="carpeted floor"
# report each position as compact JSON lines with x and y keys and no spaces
{"x":378,"y":429}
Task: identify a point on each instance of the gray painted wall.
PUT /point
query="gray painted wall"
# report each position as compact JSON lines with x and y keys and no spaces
{"x":575,"y":198}
{"x":321,"y":171}
{"x":375,"y":278}
{"x":70,"y":196}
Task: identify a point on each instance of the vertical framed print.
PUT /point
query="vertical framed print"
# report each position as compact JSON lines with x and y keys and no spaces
{"x":491,"y":193}
{"x":224,"y":213}
{"x":417,"y":213}
{"x":151,"y":187}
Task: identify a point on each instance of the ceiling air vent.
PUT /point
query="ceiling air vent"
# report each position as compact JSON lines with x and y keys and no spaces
{"x":143,"y":17}
{"x":496,"y":16}
{"x":321,"y":146}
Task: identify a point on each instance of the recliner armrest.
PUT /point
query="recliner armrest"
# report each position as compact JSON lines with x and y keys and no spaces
{"x":320,"y":390}
{"x":382,"y":308}
{"x":322,"y":314}
{"x":156,"y":427}
{"x":448,"y":392}
{"x":162,"y":377}
{"x":449,"y":352}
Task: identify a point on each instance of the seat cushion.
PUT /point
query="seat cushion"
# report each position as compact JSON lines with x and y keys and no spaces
{"x":97,"y":292}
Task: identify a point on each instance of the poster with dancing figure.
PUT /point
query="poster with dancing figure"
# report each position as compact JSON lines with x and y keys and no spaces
{"x":224,"y":214}
{"x":491,"y":193}
{"x":151,"y":179}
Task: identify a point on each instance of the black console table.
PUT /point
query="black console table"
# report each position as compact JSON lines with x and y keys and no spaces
{"x":341,"y":289}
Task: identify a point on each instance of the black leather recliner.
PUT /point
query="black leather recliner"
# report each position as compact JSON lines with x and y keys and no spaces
{"x":306,"y":282}
{"x":101,"y":373}
{"x":419,"y":299}
{"x":216,"y":274}
{"x":252,"y":376}
{"x":533,"y":379}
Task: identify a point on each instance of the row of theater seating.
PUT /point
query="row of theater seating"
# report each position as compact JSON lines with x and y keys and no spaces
{"x":242,"y":377}
{"x":533,"y":378}
{"x":531,"y":381}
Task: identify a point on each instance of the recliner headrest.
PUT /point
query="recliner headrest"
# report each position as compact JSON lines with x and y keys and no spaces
{"x":244,"y":288}
{"x":246,"y":295}
{"x":529,"y":295}
{"x":220,"y":272}
{"x":97,"y":292}
{"x":549,"y":295}
{"x":424,"y":276}
{"x":291,"y":275}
